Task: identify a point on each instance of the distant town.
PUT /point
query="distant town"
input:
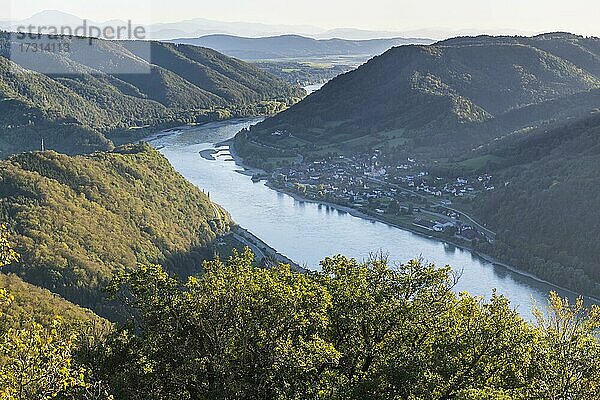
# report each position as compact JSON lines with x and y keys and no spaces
{"x":403,"y":194}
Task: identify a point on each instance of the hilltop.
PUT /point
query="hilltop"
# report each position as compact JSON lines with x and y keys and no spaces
{"x":461,"y":92}
{"x":77,"y":221}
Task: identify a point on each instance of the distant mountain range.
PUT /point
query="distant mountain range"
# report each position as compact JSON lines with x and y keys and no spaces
{"x":165,"y":30}
{"x":197,"y":27}
{"x":294,"y":46}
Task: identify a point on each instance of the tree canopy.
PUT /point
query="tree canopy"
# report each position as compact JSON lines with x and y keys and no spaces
{"x":353,"y":331}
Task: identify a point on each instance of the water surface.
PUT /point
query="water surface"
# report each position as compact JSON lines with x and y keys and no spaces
{"x":308,"y":232}
{"x":314,"y":87}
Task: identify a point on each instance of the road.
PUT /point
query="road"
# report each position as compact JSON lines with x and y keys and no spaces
{"x":489,"y":233}
{"x":472,"y":221}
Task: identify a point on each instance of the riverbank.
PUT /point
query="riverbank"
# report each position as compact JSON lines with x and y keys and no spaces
{"x":462,"y":246}
{"x":248,"y":170}
{"x":308,"y":233}
{"x":261,"y":249}
{"x":252,"y":172}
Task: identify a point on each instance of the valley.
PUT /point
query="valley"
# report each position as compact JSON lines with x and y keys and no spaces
{"x":283,"y":220}
{"x":249,"y":210}
{"x":438,"y":153}
{"x":299,"y":59}
{"x":79,"y":103}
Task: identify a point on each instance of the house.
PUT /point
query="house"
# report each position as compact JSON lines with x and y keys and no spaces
{"x":442,"y":227}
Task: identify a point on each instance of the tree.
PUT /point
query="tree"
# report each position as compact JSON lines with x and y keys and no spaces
{"x":236,"y":331}
{"x":373,"y":307}
{"x":36,"y":362}
{"x":569,"y":354}
{"x":7,"y":254}
{"x":403,"y":333}
{"x":354,"y":330}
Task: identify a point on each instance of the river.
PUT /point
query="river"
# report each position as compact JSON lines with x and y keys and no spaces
{"x":308,"y":232}
{"x":314,"y":87}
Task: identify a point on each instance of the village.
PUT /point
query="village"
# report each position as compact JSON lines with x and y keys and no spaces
{"x":404,"y":194}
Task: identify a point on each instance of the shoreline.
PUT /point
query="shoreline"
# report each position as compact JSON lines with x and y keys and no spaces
{"x":239,"y":161}
{"x":482,"y":256}
{"x":251,"y":171}
{"x":244,"y":235}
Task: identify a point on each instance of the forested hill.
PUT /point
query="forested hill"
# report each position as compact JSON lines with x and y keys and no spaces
{"x":112,"y":89}
{"x":546,"y":214}
{"x":78,"y":220}
{"x":448,"y":93}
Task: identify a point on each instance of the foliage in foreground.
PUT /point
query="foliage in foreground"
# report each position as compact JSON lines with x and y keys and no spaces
{"x":38,"y":362}
{"x":353,"y":331}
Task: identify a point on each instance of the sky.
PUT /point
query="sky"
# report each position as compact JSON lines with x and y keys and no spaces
{"x":577,"y":16}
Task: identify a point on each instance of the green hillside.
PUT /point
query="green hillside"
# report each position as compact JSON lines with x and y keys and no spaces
{"x":452,"y":92}
{"x":78,"y":220}
{"x":547,"y":214}
{"x":40,"y":305}
{"x":523,"y":110}
{"x":147,"y":85}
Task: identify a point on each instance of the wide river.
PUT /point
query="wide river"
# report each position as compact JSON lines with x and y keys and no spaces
{"x":308,"y":232}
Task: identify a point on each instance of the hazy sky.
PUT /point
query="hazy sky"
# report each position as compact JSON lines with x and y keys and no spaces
{"x":579,"y":16}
